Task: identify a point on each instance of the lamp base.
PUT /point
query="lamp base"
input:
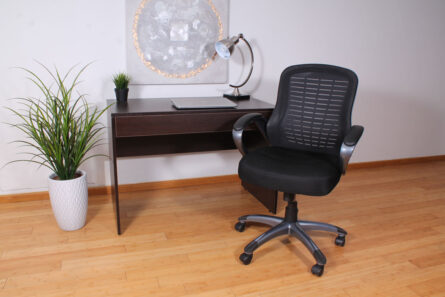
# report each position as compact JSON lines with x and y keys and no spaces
{"x":236,"y":97}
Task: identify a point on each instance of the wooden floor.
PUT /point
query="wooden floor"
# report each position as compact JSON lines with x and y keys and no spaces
{"x":181,"y":242}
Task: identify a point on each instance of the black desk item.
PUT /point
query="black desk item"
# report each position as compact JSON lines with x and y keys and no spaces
{"x":311,"y":142}
{"x":153,"y":126}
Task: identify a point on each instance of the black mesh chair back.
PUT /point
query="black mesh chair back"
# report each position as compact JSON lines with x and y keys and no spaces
{"x":313,"y":110}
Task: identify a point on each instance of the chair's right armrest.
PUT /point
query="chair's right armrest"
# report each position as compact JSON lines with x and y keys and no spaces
{"x":349,"y":142}
{"x":242,"y":123}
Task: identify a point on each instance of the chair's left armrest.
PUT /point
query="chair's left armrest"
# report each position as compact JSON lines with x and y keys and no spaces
{"x":347,"y":148}
{"x":242,"y":123}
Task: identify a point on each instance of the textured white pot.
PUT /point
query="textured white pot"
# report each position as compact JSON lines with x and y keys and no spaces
{"x":69,"y":200}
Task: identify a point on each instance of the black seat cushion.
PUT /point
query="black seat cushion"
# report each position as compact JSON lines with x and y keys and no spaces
{"x":290,"y":171}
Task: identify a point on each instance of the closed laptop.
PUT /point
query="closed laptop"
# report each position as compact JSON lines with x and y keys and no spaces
{"x":205,"y":102}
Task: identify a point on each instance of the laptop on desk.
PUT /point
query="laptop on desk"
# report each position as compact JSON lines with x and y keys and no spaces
{"x":204,"y":102}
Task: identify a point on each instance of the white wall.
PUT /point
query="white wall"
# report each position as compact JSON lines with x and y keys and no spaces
{"x":397,"y":48}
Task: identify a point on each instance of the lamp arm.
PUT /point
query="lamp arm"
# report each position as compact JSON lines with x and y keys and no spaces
{"x":251,"y":63}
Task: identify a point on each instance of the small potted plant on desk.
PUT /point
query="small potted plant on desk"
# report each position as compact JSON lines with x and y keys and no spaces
{"x":121,"y":81}
{"x":61,"y":130}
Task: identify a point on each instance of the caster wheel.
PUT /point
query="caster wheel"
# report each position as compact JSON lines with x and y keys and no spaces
{"x":240,"y":226}
{"x":340,"y":240}
{"x":317,"y":269}
{"x":245,"y":258}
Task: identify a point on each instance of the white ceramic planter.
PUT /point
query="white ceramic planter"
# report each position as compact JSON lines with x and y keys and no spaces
{"x":69,"y":201}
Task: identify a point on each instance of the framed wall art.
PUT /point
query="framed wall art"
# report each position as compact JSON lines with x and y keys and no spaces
{"x":172,"y":41}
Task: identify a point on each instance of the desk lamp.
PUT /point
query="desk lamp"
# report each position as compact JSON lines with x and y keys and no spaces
{"x":224,"y":48}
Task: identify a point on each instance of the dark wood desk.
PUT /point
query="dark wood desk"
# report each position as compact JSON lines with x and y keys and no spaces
{"x":143,"y":127}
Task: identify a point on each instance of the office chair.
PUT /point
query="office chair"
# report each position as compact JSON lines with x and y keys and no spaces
{"x":310,"y":143}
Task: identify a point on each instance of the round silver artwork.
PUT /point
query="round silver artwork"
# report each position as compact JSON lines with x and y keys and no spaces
{"x":175,"y":38}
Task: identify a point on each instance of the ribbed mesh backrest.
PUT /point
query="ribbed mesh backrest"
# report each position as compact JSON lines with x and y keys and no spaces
{"x":313,"y":108}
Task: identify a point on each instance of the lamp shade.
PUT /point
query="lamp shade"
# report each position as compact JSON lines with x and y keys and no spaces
{"x":222,"y":50}
{"x":224,"y":47}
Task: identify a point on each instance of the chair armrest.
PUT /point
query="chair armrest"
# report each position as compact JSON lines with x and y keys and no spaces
{"x":242,"y":123}
{"x":348,"y":145}
{"x":353,"y":136}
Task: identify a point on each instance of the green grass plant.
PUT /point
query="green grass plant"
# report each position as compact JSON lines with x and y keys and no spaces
{"x":121,"y":81}
{"x":60,"y":128}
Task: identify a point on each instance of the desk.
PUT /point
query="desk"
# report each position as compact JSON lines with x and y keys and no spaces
{"x":144,"y":127}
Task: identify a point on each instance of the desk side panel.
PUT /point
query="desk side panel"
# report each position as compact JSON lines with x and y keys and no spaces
{"x":113,"y":170}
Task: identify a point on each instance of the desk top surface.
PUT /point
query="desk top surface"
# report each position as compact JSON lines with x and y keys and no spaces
{"x":164,"y":105}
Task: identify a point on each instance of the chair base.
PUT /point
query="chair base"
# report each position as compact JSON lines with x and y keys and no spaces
{"x":289,"y":225}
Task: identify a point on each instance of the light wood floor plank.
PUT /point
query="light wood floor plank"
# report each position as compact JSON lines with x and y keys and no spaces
{"x":181,"y":242}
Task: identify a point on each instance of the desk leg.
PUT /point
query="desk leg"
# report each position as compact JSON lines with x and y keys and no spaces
{"x":114,"y":178}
